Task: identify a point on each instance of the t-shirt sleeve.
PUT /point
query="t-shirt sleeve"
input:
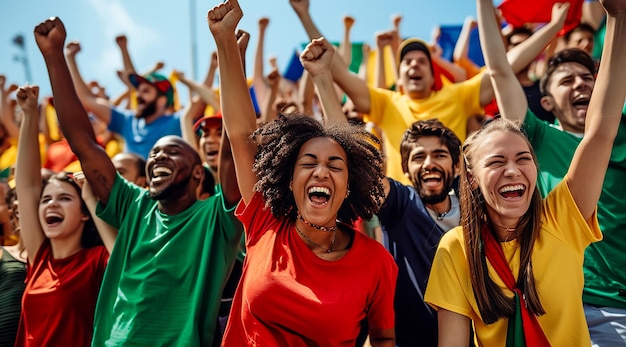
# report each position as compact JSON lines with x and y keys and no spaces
{"x":116,"y":124}
{"x":395,"y":204}
{"x":123,"y":194}
{"x":563,"y":218}
{"x":381,"y":313}
{"x":379,"y":99}
{"x":533,"y":127}
{"x":231,"y":226}
{"x":251,"y":215}
{"x":449,"y":284}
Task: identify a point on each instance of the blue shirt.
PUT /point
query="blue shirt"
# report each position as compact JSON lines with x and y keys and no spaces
{"x":139,"y":136}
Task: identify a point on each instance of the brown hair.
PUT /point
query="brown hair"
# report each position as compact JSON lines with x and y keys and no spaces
{"x":492,"y":302}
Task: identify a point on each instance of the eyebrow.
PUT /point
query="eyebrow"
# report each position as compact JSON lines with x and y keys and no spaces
{"x":331,"y":158}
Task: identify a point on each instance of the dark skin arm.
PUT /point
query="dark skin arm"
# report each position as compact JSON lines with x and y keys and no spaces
{"x":97,"y":167}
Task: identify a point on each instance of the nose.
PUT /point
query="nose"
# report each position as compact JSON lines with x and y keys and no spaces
{"x":321,"y":172}
{"x":428,"y":162}
{"x":511,"y":170}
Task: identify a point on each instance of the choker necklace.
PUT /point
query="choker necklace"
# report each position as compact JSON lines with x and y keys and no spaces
{"x":332,"y":241}
{"x":318,"y":227}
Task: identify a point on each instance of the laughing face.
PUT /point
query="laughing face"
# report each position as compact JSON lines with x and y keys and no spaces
{"x":170,"y":167}
{"x":147,"y":100}
{"x":415,"y":76}
{"x":568,"y":94}
{"x":60,"y":212}
{"x":210,"y":144}
{"x":431,"y":169}
{"x":320,"y":180}
{"x":505,"y":171}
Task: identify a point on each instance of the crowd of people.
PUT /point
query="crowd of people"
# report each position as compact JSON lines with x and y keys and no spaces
{"x":462,"y":206}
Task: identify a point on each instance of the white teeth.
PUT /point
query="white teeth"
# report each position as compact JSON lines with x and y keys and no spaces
{"x":511,"y":188}
{"x":161,"y":171}
{"x":426,"y":177}
{"x":322,"y":190}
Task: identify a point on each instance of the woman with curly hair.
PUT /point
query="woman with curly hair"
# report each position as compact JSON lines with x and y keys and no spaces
{"x":514,"y":266}
{"x":309,"y":278}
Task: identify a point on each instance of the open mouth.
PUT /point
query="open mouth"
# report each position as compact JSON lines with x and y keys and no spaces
{"x":160,"y":173}
{"x":319,"y":195}
{"x":431,"y":179}
{"x":53,"y":219}
{"x":581,"y":101}
{"x":512,"y":191}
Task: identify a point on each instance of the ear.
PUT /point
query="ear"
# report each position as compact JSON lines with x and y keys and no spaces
{"x":197,"y":173}
{"x":162,"y":101}
{"x":85,"y":218}
{"x":291,"y":185}
{"x":141,"y":181}
{"x":547,"y":102}
{"x":456,"y":170}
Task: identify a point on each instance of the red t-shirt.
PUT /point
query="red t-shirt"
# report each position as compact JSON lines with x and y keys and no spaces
{"x":288,"y":296}
{"x":60,"y":298}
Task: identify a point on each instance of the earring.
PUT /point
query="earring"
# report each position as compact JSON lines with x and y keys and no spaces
{"x":291,"y":186}
{"x":347,"y":193}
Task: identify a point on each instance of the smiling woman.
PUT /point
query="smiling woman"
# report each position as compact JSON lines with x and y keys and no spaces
{"x":303,"y":183}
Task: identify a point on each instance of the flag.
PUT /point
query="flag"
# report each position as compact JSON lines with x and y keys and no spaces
{"x":294,"y":69}
{"x":519,"y":12}
{"x":447,"y":42}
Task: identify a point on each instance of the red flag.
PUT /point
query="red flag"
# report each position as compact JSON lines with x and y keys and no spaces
{"x":519,"y":12}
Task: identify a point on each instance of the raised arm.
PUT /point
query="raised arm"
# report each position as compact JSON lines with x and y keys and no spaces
{"x":346,"y":44}
{"x":98,"y":106}
{"x":6,"y":112}
{"x":350,"y":83}
{"x":462,"y":43}
{"x":524,"y":53}
{"x":510,"y":96}
{"x":28,"y":172}
{"x":269,"y":112}
{"x":50,"y":37}
{"x":258,"y":74}
{"x":588,"y":167}
{"x":122,"y":43}
{"x":316,"y":59}
{"x":237,"y":110}
{"x":107,"y":233}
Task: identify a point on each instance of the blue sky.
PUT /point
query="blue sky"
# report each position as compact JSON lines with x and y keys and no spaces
{"x":161,"y":30}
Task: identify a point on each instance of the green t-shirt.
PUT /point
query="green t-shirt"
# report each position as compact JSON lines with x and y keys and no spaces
{"x":605,"y":264}
{"x":165,"y":276}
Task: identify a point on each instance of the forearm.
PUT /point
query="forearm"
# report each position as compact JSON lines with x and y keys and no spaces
{"x":523,"y":54}
{"x":328,"y":98}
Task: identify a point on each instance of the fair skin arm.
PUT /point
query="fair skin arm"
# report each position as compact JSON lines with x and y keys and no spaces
{"x":239,"y":117}
{"x":383,"y":39}
{"x":346,"y":45}
{"x":98,"y":106}
{"x":50,"y":36}
{"x":269,"y":112}
{"x":588,"y":167}
{"x":462,"y":43}
{"x":28,"y":172}
{"x":350,"y":83}
{"x":107,"y":233}
{"x":454,"y":329}
{"x":509,"y":93}
{"x":258,"y":75}
{"x":6,"y":112}
{"x":307,"y":93}
{"x":122,"y":43}
{"x":524,"y":53}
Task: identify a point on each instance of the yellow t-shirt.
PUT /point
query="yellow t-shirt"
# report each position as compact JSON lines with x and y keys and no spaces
{"x":557,"y":261}
{"x":395,"y":112}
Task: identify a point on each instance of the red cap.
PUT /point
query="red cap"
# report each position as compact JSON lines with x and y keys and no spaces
{"x":211,"y":121}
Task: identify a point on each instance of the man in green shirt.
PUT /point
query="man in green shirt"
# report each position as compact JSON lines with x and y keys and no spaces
{"x":173,"y":253}
{"x":567,"y":86}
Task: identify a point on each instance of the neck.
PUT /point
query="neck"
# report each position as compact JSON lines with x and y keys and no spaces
{"x":64,"y":248}
{"x":505,"y":233}
{"x":327,"y":228}
{"x":441,"y":208}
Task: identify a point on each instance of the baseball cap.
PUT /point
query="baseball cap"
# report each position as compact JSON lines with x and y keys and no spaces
{"x":211,"y":121}
{"x":160,"y":82}
{"x":413,"y":44}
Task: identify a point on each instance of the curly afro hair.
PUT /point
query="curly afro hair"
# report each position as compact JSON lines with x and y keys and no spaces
{"x":279,"y":143}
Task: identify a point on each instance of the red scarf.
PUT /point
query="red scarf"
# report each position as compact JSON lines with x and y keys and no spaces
{"x":533,"y":335}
